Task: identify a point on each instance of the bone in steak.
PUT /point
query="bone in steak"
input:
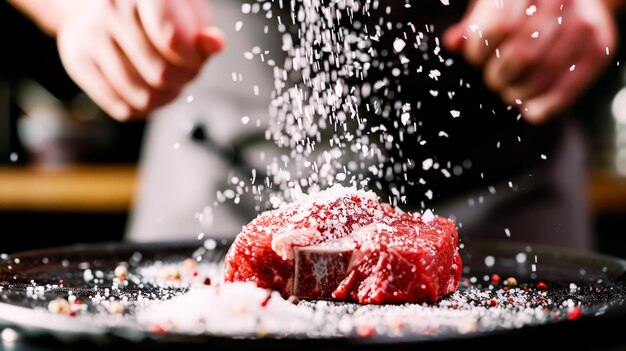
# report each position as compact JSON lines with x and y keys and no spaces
{"x":343,"y":244}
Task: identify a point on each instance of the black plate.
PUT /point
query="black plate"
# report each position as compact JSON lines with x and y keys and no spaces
{"x":602,"y":279}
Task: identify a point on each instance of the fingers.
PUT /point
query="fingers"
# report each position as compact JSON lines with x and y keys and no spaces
{"x":131,"y":57}
{"x":124,"y":80}
{"x":561,"y":95}
{"x":453,"y":38}
{"x":572,"y":63}
{"x":546,"y":70}
{"x":483,"y":28}
{"x":525,"y":48}
{"x":212,"y":40}
{"x":92,"y":81}
{"x":121,"y":75}
{"x":82,"y":69}
{"x":173,"y":28}
{"x":153,"y":68}
{"x":542,"y":56}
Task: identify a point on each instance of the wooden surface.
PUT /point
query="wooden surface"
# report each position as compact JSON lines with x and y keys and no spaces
{"x":607,"y":192}
{"x":68,"y":189}
{"x":112,"y":189}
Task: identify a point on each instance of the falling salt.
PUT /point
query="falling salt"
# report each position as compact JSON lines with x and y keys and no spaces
{"x":190,"y":98}
{"x":399,"y":45}
{"x":507,"y":232}
{"x":238,"y":26}
{"x":13,"y":157}
{"x":455,"y":114}
{"x":405,"y":118}
{"x":245,"y":120}
{"x":210,"y":244}
{"x":572,"y":68}
{"x":535,"y":35}
{"x":490,"y":261}
{"x":429,"y":194}
{"x":531,"y":10}
{"x":427,"y":164}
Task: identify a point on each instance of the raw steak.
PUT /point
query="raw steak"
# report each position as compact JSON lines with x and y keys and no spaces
{"x":343,"y":244}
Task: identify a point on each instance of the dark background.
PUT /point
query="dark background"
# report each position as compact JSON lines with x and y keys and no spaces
{"x":30,"y":55}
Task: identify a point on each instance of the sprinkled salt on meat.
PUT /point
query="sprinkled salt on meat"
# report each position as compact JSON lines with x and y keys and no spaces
{"x":343,"y":244}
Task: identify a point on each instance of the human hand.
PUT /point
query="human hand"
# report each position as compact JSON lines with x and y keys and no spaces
{"x":132,"y":56}
{"x":541,"y":58}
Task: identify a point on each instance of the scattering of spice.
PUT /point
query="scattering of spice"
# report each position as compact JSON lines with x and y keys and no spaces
{"x":59,"y":306}
{"x":510,"y":282}
{"x":121,"y":272}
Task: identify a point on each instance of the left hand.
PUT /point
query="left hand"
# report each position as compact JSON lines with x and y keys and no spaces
{"x":542,"y":60}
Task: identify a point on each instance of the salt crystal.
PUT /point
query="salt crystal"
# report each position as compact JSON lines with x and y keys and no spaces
{"x":455,"y":114}
{"x":427,"y":164}
{"x":399,"y":45}
{"x":429,"y":194}
{"x":428,"y":216}
{"x":405,"y":118}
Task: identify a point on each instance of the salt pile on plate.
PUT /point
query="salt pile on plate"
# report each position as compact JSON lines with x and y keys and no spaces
{"x":242,"y":309}
{"x":228,"y":309}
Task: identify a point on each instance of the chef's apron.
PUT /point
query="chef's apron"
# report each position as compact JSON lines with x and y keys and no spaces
{"x":504,"y":175}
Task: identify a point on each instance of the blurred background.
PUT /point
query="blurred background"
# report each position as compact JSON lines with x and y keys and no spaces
{"x":68,"y":173}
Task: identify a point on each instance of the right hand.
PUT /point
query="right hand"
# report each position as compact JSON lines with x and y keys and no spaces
{"x":132,"y":56}
{"x":543,"y":61}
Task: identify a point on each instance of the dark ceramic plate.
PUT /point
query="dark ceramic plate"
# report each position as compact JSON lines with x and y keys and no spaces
{"x":601,"y":281}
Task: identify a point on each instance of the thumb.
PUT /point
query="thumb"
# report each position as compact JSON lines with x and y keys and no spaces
{"x":211,"y":40}
{"x":453,"y":38}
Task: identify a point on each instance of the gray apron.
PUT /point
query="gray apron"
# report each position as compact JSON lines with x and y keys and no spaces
{"x":189,"y":160}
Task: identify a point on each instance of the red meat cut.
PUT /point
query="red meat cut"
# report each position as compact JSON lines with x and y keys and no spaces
{"x":343,"y":244}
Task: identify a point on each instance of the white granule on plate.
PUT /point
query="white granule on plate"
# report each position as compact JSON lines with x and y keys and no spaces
{"x":242,"y":309}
